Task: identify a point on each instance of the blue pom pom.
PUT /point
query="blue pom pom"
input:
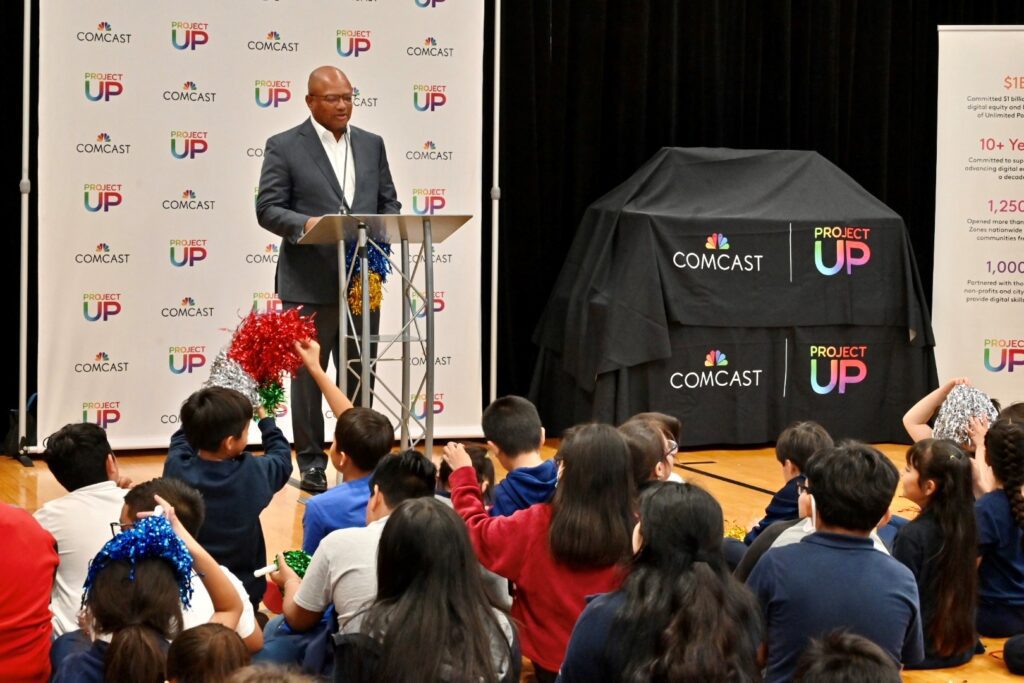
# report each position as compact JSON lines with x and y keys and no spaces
{"x":151,"y":537}
{"x":377,"y":261}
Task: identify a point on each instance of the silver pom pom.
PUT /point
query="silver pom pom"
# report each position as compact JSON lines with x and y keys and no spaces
{"x":228,"y":374}
{"x":962,"y":403}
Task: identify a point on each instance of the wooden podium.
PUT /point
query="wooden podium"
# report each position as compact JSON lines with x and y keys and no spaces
{"x":368,"y":231}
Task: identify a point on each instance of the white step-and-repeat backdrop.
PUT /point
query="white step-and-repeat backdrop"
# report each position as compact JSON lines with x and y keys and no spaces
{"x":978,"y":292}
{"x":152,"y":120}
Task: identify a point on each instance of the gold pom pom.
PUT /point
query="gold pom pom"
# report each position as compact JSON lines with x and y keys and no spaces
{"x":734,"y":530}
{"x":355,"y":294}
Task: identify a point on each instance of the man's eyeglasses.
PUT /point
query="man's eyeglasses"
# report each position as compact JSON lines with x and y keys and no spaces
{"x":334,"y":99}
{"x":117,"y":527}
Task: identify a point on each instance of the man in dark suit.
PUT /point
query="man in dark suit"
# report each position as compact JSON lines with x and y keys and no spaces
{"x":322,"y":166}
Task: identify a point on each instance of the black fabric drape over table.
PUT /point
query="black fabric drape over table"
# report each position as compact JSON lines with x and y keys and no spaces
{"x":708,"y":285}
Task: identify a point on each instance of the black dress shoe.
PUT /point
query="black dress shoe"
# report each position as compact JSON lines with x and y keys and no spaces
{"x":314,"y":480}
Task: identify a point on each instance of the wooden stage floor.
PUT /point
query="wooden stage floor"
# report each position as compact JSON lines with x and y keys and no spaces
{"x":741,"y":480}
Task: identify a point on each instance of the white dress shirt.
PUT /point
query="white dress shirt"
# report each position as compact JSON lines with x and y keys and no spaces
{"x":341,"y":159}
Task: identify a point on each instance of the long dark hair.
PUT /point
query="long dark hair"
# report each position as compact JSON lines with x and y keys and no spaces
{"x":956,"y":578}
{"x":140,"y":612}
{"x":1004,"y":450}
{"x":592,"y":510}
{"x":432,"y":613}
{"x":685,"y":618}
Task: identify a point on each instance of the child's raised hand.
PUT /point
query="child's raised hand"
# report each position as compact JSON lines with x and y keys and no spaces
{"x":309,"y":352}
{"x":456,"y":456}
{"x":977,"y":428}
{"x":955,"y":381}
{"x":172,"y":518}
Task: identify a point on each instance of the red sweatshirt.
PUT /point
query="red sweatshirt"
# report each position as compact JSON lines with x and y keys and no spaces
{"x":549,"y":595}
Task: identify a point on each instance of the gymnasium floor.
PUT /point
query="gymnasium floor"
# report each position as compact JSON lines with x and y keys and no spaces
{"x":741,"y":480}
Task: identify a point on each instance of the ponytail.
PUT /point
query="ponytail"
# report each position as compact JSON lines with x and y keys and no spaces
{"x":1004,"y":448}
{"x":951,"y":629}
{"x":135,"y":654}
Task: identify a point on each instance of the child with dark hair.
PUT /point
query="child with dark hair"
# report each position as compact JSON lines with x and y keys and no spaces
{"x":1000,"y":516}
{"x":190,"y":510}
{"x":850,"y":488}
{"x":1014,"y":411}
{"x":342,"y":571}
{"x":484,"y":468}
{"x":679,"y":614}
{"x":513,"y":430}
{"x":26,"y":579}
{"x":432,"y":620}
{"x":671,"y":430}
{"x":208,"y":452}
{"x":794,"y":447}
{"x":939,"y":548}
{"x":556,"y":553}
{"x":362,"y":437}
{"x":207,"y":653}
{"x":646,"y":451}
{"x":133,"y":596}
{"x":81,"y":461}
{"x":842,"y":657}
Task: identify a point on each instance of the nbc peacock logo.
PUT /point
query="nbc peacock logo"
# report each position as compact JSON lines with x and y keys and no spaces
{"x":103,"y":144}
{"x":429,"y":49}
{"x":269,"y":255}
{"x":429,"y":152}
{"x":718,"y":254}
{"x":718,"y":241}
{"x":715,"y":359}
{"x":101,"y":363}
{"x":189,"y":92}
{"x":102,"y":254}
{"x":272,"y":42}
{"x":716,"y":373}
{"x":187,"y":308}
{"x":103,"y":33}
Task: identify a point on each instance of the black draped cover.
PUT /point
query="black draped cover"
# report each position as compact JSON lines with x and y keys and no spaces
{"x":738,"y":290}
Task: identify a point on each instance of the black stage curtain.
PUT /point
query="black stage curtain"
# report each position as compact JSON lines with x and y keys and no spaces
{"x":592,"y":88}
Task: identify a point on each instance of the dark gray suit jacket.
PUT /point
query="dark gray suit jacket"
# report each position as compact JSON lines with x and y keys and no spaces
{"x":297,"y":182}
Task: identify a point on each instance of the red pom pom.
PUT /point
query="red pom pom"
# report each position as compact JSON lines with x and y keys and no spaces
{"x":263,"y":343}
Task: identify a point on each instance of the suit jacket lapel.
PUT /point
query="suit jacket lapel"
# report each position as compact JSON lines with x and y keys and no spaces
{"x":315,"y":148}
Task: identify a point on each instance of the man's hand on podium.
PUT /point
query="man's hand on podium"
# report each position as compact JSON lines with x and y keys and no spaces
{"x":310,"y":222}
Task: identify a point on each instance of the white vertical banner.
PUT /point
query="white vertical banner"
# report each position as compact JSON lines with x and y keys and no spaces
{"x":978,"y":291}
{"x":152,"y":120}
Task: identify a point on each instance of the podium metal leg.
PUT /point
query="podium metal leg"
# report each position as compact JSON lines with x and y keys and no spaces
{"x":406,"y":345}
{"x":428,"y":307}
{"x":342,"y":321}
{"x":364,"y":349}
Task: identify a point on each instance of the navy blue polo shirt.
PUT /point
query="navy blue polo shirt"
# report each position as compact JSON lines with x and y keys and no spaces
{"x":835,"y":581}
{"x":1001,"y":573}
